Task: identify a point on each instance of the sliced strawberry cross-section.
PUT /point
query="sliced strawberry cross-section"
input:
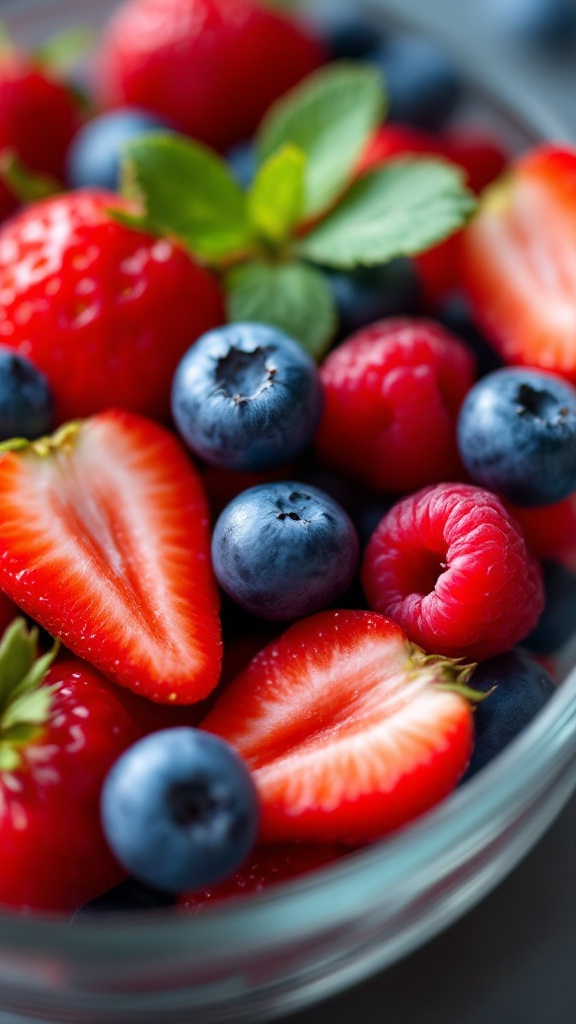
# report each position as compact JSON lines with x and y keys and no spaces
{"x":350,"y":730}
{"x":104,"y":541}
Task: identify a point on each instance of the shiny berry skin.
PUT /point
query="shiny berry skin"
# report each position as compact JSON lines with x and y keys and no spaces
{"x":105,"y":312}
{"x":422,"y":84}
{"x":522,"y":688}
{"x":54,"y":855}
{"x":392,"y":394}
{"x":38,"y":119}
{"x":284,"y":550}
{"x":94,"y":159}
{"x":517,"y":435}
{"x":246,"y":397}
{"x":213,"y":67}
{"x":450,"y":565}
{"x":180,"y":810}
{"x":26,"y":406}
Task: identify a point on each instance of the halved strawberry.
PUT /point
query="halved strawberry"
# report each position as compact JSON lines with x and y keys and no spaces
{"x":351,"y":730}
{"x":518,"y":262}
{"x":104,"y":541}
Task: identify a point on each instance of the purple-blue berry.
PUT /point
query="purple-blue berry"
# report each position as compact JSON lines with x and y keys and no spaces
{"x":247,"y":397}
{"x":284,"y":550}
{"x":517,"y":435}
{"x":180,"y":810}
{"x":422,"y":84}
{"x":95,"y":156}
{"x":26,"y":405}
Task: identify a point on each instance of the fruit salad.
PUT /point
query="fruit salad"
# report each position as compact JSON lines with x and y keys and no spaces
{"x":287,"y":453}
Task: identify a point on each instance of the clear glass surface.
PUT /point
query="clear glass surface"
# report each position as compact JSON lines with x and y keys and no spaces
{"x":249,"y":960}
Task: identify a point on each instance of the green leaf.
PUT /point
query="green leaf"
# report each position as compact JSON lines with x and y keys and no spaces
{"x":276,"y":199}
{"x":187,"y":192}
{"x":61,"y":52}
{"x":291,"y":296}
{"x":402,"y":209}
{"x":330,"y":117}
{"x":25,"y":185}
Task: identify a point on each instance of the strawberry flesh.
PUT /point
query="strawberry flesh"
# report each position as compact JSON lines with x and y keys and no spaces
{"x":104,"y":542}
{"x":346,"y":732}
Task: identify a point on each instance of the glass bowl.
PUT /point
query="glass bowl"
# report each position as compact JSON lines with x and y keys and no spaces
{"x":270,"y":954}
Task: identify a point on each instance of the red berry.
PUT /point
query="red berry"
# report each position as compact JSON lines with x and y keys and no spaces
{"x":347,"y":729}
{"x":212,"y":67}
{"x":450,"y":565}
{"x":392,"y":395}
{"x":550,"y":530}
{"x":517,"y":262}
{"x":38,"y":119}
{"x":54,"y":855}
{"x":268,"y":865}
{"x":104,"y":541}
{"x":104,"y":311}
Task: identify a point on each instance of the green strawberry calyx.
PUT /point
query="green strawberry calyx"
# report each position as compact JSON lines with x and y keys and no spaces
{"x":26,"y":703}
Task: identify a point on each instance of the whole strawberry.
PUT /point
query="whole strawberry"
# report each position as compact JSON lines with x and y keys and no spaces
{"x":60,"y":732}
{"x":212,"y":66}
{"x":106,"y":312}
{"x":38,"y":118}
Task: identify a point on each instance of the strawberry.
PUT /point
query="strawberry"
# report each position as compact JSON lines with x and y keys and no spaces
{"x":104,"y":542}
{"x":517,"y":262}
{"x":212,"y":67}
{"x":60,"y":733}
{"x":350,"y":730}
{"x":266,"y":866}
{"x":38,"y":119}
{"x":106,"y":312}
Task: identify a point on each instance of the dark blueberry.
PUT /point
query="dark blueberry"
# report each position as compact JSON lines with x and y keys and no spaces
{"x":128,"y":896}
{"x":350,"y":37}
{"x":242,"y":163}
{"x":284,"y":550}
{"x":371,"y":293}
{"x":549,"y":24}
{"x":454,"y":314}
{"x":557,"y":624}
{"x":517,"y":435}
{"x":423,"y":86}
{"x":523,"y":687}
{"x":180,"y":809}
{"x":247,"y":397}
{"x":95,"y":155}
{"x":26,"y":408}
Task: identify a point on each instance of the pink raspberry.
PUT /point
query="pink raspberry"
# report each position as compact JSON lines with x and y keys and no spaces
{"x":392,"y":395}
{"x":450,"y":566}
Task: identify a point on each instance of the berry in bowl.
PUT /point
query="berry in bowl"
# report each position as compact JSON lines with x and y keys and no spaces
{"x":263,"y":747}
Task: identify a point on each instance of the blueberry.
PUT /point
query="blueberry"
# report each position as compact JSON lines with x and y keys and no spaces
{"x":370,"y":293}
{"x":523,"y":687}
{"x":95,"y":155}
{"x":549,"y":24}
{"x":128,"y":896}
{"x":558,"y":620}
{"x":423,"y":87}
{"x":247,"y":397}
{"x":242,"y":162}
{"x":350,"y":37}
{"x":26,"y":408}
{"x":454,"y":314}
{"x":517,"y":435}
{"x":284,"y":550}
{"x":180,"y":809}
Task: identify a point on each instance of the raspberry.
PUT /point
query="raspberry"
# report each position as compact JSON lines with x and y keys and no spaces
{"x":450,"y":566}
{"x":392,"y":395}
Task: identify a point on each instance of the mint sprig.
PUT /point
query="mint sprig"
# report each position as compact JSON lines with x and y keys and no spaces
{"x":307,"y":205}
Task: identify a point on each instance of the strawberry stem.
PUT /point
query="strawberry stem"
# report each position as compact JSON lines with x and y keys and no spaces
{"x":453,"y":674}
{"x":62,"y":440}
{"x":25,"y":702}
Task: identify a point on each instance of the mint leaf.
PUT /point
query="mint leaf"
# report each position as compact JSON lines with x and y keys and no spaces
{"x":401,"y":209}
{"x":330,"y":117}
{"x":63,"y":51}
{"x":187,"y":191}
{"x":291,"y":296}
{"x":276,"y":199}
